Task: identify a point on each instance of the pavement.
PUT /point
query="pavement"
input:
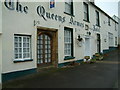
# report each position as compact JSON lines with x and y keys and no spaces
{"x":102,"y":74}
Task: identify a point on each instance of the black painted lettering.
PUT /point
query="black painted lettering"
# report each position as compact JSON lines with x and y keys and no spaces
{"x":71,"y":20}
{"x":78,"y":24}
{"x":41,"y":12}
{"x":52,"y":16}
{"x":63,"y":20}
{"x":25,"y":9}
{"x":60,"y":18}
{"x":48,"y":15}
{"x":56,"y":17}
{"x":9,"y":4}
{"x":19,"y":7}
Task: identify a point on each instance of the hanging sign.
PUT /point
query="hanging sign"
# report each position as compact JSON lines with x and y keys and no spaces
{"x":52,"y":3}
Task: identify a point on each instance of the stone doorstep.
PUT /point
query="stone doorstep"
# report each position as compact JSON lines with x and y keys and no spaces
{"x":41,"y":68}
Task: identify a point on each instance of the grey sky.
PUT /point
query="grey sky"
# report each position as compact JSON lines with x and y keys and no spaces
{"x":109,"y":6}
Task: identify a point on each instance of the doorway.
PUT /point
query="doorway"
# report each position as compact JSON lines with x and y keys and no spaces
{"x":44,"y":49}
{"x":87,"y":47}
{"x":98,"y":43}
{"x":47,"y":47}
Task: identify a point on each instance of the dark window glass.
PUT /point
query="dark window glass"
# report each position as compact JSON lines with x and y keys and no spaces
{"x":68,"y":41}
{"x":97,"y":19}
{"x":86,"y":12}
{"x":69,"y":7}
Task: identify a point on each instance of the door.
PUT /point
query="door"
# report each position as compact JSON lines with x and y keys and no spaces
{"x":44,"y":49}
{"x":98,"y":43}
{"x":87,"y":47}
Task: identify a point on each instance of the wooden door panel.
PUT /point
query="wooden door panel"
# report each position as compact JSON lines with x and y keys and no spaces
{"x":44,"y":49}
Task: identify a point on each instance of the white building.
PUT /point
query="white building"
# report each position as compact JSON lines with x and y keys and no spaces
{"x":33,"y":35}
{"x":119,"y":21}
{"x":0,"y":43}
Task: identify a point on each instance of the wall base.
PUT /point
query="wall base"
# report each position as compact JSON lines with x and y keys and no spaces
{"x":14,"y":75}
{"x":67,"y":63}
{"x":109,"y":50}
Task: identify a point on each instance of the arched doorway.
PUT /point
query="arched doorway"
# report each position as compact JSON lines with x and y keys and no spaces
{"x":47,"y":47}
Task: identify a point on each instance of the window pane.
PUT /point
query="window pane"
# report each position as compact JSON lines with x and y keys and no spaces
{"x":28,"y":39}
{"x":16,"y":56}
{"x":20,"y":44}
{"x":20,"y":39}
{"x":20,"y":55}
{"x":16,"y":50}
{"x":68,"y":6}
{"x":85,"y":16}
{"x":16,"y":44}
{"x":27,"y":44}
{"x":86,"y":11}
{"x":20,"y":50}
{"x":16,"y":39}
{"x":24,"y":39}
{"x":97,"y":18}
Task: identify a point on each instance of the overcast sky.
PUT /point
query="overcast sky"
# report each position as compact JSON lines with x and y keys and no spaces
{"x":109,"y":6}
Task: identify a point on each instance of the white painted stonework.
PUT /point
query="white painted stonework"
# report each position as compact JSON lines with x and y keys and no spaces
{"x":26,"y":24}
{"x":0,"y":57}
{"x":119,"y":21}
{"x":0,"y":17}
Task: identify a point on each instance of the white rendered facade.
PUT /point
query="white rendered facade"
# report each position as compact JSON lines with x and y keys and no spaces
{"x":31,"y":22}
{"x":0,"y":42}
{"x":119,"y":21}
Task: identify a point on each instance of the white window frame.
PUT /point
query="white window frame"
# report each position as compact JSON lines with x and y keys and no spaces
{"x":97,"y":18}
{"x":25,"y":50}
{"x":68,"y":42}
{"x":86,"y":11}
{"x":68,"y":5}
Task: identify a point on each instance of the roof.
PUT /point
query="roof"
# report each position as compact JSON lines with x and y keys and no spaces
{"x":103,"y":11}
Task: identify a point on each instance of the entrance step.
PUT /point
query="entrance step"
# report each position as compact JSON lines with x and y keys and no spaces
{"x":46,"y":68}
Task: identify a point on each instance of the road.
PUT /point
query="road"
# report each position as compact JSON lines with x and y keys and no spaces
{"x":102,"y":74}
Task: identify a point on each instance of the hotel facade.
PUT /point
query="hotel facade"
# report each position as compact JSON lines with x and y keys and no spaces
{"x":33,"y":34}
{"x":119,"y":23}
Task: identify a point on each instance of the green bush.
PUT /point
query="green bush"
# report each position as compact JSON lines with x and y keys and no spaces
{"x":93,"y":60}
{"x":98,"y":56}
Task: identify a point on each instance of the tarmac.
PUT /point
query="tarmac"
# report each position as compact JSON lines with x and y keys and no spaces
{"x":102,"y":74}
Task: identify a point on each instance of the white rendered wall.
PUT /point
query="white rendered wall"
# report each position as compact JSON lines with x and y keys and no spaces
{"x":0,"y":42}
{"x":0,"y":17}
{"x":20,"y":23}
{"x":119,"y":21}
{"x":16,"y":23}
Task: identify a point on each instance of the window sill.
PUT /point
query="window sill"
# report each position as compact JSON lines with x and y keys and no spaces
{"x":68,"y":57}
{"x":86,"y":20}
{"x":26,"y":60}
{"x":69,"y":14}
